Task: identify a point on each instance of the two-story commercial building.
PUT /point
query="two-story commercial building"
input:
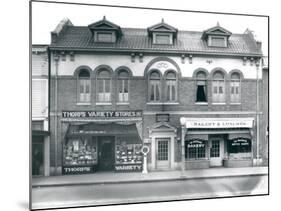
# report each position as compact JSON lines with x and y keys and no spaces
{"x":191,"y":97}
{"x":40,"y":127}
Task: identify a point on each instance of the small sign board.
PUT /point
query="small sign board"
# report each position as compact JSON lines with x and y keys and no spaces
{"x":162,"y":117}
{"x":128,"y":167}
{"x":196,"y":143}
{"x":78,"y":169}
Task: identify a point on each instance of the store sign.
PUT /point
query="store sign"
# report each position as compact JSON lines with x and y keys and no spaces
{"x":240,"y":142}
{"x":162,"y":117}
{"x":196,"y":144}
{"x":128,"y":167}
{"x":101,"y":114}
{"x":77,"y":169}
{"x":219,"y":123}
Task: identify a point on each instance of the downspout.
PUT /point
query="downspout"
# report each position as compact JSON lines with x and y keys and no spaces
{"x":56,"y":58}
{"x":183,"y":133}
{"x":257,"y":113}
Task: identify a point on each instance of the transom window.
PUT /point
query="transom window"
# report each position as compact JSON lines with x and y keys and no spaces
{"x":104,"y":86}
{"x":201,"y":87}
{"x":154,"y":86}
{"x":123,"y":86}
{"x":84,"y":86}
{"x":235,"y":88}
{"x":171,"y":86}
{"x":218,"y":87}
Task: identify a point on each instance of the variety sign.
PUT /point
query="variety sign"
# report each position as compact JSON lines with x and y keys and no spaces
{"x":196,"y":144}
{"x":128,"y":167}
{"x":101,"y":114}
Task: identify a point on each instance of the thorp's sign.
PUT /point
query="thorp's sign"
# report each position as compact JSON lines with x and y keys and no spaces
{"x":101,"y":114}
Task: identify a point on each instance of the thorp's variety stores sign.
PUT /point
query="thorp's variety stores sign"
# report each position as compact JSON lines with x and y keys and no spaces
{"x":101,"y":114}
{"x":218,"y":123}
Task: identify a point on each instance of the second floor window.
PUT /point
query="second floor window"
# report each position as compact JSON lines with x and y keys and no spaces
{"x":84,"y":86}
{"x":154,"y":86}
{"x":235,"y":88}
{"x":171,"y":87}
{"x":201,"y":87}
{"x":104,"y":86}
{"x":218,"y":87}
{"x":123,"y":86}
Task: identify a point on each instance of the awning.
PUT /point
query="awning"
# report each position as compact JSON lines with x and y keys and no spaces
{"x":196,"y":136}
{"x":105,"y":129}
{"x":239,"y":135}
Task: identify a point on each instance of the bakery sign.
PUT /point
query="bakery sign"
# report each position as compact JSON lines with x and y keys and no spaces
{"x":101,"y":114}
{"x":218,"y":123}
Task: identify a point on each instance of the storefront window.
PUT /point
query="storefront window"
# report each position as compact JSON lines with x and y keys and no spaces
{"x":80,"y":151}
{"x":195,"y":149}
{"x":127,"y":153}
{"x":239,"y":148}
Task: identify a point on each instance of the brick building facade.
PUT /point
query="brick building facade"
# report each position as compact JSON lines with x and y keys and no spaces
{"x":191,"y":97}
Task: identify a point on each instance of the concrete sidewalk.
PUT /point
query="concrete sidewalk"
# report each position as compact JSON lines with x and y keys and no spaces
{"x":112,"y":177}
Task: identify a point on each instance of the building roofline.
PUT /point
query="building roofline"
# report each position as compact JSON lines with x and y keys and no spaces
{"x":154,"y":51}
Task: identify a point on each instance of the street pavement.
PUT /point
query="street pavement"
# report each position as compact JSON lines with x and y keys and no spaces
{"x":116,"y":193}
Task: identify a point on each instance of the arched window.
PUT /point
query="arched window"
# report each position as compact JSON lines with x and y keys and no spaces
{"x":123,"y":86}
{"x":218,"y":87}
{"x":201,"y":87}
{"x":104,"y":85}
{"x":235,"y":88}
{"x":84,"y":86}
{"x":154,"y":86}
{"x":171,"y":86}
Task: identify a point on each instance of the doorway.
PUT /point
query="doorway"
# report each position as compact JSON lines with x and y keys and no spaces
{"x":216,"y":151}
{"x":106,"y":153}
{"x":37,"y":156}
{"x":163,"y":153}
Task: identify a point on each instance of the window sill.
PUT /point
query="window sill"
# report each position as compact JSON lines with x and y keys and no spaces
{"x":171,"y":103}
{"x":122,"y":103}
{"x":103,"y":103}
{"x":201,"y":103}
{"x":235,"y":103}
{"x":219,"y":103}
{"x":85,"y":104}
{"x":154,"y":103}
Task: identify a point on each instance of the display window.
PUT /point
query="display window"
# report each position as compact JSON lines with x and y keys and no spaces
{"x":195,"y":149}
{"x":80,"y":151}
{"x":127,"y":152}
{"x":239,"y":148}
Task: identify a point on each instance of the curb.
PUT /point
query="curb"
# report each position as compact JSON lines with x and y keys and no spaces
{"x":144,"y":180}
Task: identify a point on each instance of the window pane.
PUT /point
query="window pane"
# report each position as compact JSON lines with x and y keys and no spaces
{"x":126,"y":86}
{"x":104,"y":37}
{"x":162,"y":39}
{"x":173,"y":93}
{"x":168,"y":93}
{"x":152,"y":92}
{"x":107,"y":85}
{"x":84,"y":74}
{"x":215,"y":90}
{"x":100,"y":86}
{"x":218,"y":41}
{"x":157,"y":94}
{"x":220,"y":89}
{"x":200,"y":95}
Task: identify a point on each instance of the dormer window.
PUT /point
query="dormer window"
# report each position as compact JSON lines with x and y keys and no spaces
{"x":160,"y":38}
{"x":105,"y":37}
{"x":216,"y":36}
{"x":162,"y":34}
{"x":217,"y":41}
{"x":105,"y":31}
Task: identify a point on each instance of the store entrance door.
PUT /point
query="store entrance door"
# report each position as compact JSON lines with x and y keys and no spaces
{"x":37,"y":156}
{"x":162,"y":153}
{"x":106,"y":153}
{"x":216,"y":151}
